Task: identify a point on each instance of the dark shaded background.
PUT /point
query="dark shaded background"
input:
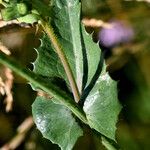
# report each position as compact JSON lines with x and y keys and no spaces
{"x":128,"y":64}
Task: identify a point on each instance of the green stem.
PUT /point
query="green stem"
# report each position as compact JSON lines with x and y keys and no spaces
{"x":42,"y":84}
{"x":58,"y":48}
{"x":3,"y":3}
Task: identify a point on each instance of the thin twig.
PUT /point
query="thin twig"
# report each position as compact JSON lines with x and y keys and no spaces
{"x":49,"y":30}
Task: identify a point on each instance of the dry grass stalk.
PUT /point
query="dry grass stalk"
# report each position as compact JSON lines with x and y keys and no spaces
{"x":2,"y":87}
{"x":8,"y":87}
{"x":4,"y":49}
{"x":7,"y":23}
{"x":6,"y":81}
{"x":95,"y":23}
{"x":26,"y":125}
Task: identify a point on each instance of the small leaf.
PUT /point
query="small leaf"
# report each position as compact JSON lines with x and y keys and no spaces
{"x":22,"y":8}
{"x":14,"y":10}
{"x":42,"y":8}
{"x":9,"y":13}
{"x":102,"y":106}
{"x":56,"y":123}
{"x":30,"y":18}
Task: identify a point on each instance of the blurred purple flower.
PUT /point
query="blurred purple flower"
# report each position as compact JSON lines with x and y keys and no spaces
{"x":117,"y":34}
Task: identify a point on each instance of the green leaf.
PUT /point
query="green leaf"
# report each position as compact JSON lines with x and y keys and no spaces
{"x":42,"y":7}
{"x":82,"y":53}
{"x":84,"y":56}
{"x":47,"y":86}
{"x":30,"y":18}
{"x":14,"y":10}
{"x":102,"y":106}
{"x":47,"y":62}
{"x":56,"y":123}
{"x":22,"y":8}
{"x":67,"y":23}
{"x":9,"y":13}
{"x":92,"y":57}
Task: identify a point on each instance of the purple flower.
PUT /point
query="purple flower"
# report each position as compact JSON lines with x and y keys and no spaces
{"x":117,"y":34}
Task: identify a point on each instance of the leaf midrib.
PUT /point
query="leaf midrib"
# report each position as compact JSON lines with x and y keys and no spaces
{"x":75,"y":48}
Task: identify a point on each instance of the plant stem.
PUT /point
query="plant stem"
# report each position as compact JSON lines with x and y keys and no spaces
{"x":39,"y":82}
{"x":49,"y":30}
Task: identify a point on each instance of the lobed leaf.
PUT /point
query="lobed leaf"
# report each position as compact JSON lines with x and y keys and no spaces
{"x":67,"y":22}
{"x":92,"y":57}
{"x":82,"y":53}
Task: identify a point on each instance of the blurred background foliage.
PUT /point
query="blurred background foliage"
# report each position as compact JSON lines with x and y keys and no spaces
{"x":128,"y":64}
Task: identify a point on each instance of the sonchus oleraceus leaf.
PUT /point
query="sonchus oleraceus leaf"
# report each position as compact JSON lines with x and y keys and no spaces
{"x":67,"y":22}
{"x":102,"y":107}
{"x":82,"y":54}
{"x":56,"y":123}
{"x":101,"y":104}
{"x":59,"y":126}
